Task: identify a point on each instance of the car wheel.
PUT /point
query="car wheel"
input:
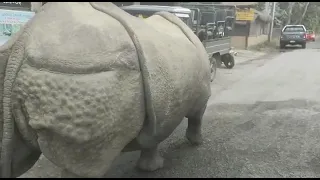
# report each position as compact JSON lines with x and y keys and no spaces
{"x":313,"y":40}
{"x":303,"y":45}
{"x":282,"y":46}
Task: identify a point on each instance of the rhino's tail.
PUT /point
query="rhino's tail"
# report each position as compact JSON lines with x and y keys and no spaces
{"x":146,"y":138}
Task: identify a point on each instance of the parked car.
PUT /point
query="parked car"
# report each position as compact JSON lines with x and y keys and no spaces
{"x":311,"y":36}
{"x":293,"y":35}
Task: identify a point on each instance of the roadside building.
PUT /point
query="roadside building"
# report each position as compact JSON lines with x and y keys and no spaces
{"x":249,"y":31}
{"x":18,"y":6}
{"x":13,"y":15}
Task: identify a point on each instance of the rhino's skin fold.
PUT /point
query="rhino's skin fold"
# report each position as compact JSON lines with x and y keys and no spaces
{"x":93,"y":81}
{"x":17,"y":154}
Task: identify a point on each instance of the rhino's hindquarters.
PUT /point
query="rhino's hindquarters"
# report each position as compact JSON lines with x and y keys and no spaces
{"x":83,"y":121}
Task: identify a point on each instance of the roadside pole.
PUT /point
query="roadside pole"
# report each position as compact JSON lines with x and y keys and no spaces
{"x":266,"y":7}
{"x":272,"y":21}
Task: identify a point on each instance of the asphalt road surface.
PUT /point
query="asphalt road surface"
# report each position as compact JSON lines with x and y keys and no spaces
{"x":263,"y":120}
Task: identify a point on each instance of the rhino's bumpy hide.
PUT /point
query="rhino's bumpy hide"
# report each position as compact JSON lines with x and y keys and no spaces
{"x":161,"y":60}
{"x":82,"y":81}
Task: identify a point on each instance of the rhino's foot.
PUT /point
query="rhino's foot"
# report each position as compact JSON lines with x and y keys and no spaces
{"x":150,"y":160}
{"x":194,"y":136}
{"x":68,"y":174}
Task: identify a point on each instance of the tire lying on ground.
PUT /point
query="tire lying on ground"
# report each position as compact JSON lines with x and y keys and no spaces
{"x":228,"y":61}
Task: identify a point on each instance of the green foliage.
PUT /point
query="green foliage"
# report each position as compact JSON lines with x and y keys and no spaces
{"x":260,"y":6}
{"x":311,"y":19}
{"x":281,"y":14}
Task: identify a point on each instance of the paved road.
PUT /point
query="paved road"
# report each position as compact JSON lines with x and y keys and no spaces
{"x":310,"y":45}
{"x":263,"y":120}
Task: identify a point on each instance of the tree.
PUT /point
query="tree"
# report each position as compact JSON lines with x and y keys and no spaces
{"x":290,"y":8}
{"x":260,"y":6}
{"x":304,"y":12}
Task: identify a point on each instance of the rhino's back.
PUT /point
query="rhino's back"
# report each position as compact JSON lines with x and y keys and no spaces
{"x":64,"y":40}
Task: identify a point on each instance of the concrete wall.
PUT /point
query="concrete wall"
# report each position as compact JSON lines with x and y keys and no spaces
{"x":254,"y":40}
{"x":238,"y":42}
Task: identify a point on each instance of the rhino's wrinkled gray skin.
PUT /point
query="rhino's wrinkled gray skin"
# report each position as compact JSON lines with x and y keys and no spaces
{"x":83,"y":82}
{"x":17,"y":152}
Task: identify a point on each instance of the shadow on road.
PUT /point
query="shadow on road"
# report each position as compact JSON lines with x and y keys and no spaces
{"x":265,"y":139}
{"x":289,"y":48}
{"x":310,"y":45}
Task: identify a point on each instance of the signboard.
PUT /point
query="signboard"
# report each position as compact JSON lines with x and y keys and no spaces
{"x":25,"y":5}
{"x":245,"y":14}
{"x":11,"y":22}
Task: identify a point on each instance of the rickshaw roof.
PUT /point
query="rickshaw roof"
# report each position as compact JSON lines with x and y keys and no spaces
{"x":153,"y":8}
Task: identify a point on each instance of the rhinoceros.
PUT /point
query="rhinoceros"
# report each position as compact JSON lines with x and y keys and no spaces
{"x":82,"y":82}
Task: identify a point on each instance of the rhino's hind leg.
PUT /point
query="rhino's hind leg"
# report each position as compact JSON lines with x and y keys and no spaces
{"x":150,"y":159}
{"x":193,"y":132}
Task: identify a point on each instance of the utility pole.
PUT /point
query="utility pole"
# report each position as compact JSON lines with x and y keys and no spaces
{"x":272,"y":21}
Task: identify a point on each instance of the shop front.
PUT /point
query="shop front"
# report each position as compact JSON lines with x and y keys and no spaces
{"x":13,"y":15}
{"x":22,"y":6}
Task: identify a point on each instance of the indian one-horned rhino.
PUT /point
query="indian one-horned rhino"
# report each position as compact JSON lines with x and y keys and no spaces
{"x":83,"y":82}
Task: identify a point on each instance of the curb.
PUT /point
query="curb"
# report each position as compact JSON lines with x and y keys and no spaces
{"x":249,"y":56}
{"x":267,"y":55}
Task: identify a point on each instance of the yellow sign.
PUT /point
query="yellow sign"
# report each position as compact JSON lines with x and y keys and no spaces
{"x":245,"y":14}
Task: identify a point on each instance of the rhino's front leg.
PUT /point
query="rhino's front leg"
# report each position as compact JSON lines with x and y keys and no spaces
{"x":150,"y":160}
{"x":193,"y":132}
